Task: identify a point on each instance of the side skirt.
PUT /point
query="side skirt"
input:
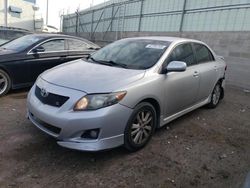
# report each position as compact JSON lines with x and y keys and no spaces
{"x":181,"y":113}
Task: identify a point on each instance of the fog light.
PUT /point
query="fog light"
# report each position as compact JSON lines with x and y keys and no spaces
{"x":91,"y":134}
{"x":94,"y":134}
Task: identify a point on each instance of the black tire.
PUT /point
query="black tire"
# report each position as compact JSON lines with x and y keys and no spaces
{"x":144,"y":128}
{"x":5,"y":83}
{"x":216,"y":96}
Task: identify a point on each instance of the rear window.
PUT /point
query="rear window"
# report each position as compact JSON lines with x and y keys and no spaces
{"x":203,"y":54}
{"x":77,"y":45}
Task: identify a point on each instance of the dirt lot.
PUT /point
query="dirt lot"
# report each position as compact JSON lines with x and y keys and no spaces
{"x":206,"y":148}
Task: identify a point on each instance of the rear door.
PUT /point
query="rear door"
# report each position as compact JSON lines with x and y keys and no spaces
{"x":55,"y":53}
{"x":207,"y":70}
{"x":181,"y":88}
{"x":78,"y":49}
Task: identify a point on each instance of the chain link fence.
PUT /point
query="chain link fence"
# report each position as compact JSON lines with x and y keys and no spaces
{"x":159,"y":16}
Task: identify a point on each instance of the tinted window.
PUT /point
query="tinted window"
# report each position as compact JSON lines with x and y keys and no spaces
{"x":203,"y":54}
{"x":183,"y":53}
{"x":77,"y":45}
{"x":134,"y":53}
{"x":22,"y":43}
{"x":54,"y":45}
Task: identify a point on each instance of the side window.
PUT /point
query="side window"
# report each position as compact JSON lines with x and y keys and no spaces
{"x":203,"y":54}
{"x":77,"y":45}
{"x":54,"y":45}
{"x":183,"y":52}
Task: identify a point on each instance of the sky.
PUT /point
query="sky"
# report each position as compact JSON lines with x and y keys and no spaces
{"x":57,"y":7}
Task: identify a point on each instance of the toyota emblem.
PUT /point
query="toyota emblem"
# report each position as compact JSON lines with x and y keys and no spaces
{"x":44,"y":93}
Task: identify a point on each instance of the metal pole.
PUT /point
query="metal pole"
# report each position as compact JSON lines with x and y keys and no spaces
{"x":77,"y":21}
{"x":47,"y":12}
{"x":117,"y":25}
{"x":123,"y":20}
{"x":61,"y":18}
{"x":182,"y":15}
{"x":5,"y":13}
{"x":92,"y":26}
{"x":112,"y":14}
{"x":103,"y":22}
{"x":139,"y":27}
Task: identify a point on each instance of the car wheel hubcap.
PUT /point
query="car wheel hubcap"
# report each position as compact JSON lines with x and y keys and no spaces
{"x":3,"y":83}
{"x":142,"y":127}
{"x":216,"y":95}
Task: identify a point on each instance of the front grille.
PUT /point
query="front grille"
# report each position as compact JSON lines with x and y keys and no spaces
{"x":50,"y":98}
{"x":47,"y":126}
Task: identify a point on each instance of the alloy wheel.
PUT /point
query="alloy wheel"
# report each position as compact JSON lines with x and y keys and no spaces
{"x":3,"y":83}
{"x":216,"y":94}
{"x":142,"y":127}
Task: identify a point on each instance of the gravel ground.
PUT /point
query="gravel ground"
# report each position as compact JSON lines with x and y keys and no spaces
{"x":205,"y":148}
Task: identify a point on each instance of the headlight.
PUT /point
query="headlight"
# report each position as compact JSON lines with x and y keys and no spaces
{"x":97,"y":101}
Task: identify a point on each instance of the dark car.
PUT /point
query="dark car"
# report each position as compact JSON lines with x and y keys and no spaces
{"x":23,"y":59}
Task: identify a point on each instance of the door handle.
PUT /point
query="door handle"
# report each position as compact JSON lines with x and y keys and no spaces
{"x":196,"y":74}
{"x":215,"y":68}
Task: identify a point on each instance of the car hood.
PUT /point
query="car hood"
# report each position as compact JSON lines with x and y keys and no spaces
{"x":90,"y":77}
{"x":6,"y":52}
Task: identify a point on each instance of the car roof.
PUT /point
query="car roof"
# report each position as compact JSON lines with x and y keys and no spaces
{"x":55,"y":35}
{"x":167,"y":39}
{"x":45,"y":36}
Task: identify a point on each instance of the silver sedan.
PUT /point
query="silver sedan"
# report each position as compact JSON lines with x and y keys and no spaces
{"x":123,"y":92}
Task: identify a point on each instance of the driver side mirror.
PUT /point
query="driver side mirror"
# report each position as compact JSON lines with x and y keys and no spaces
{"x":175,"y":66}
{"x":38,"y":49}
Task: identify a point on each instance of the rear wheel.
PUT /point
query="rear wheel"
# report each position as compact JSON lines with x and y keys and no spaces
{"x":216,"y":96}
{"x":5,"y":83}
{"x":140,"y":127}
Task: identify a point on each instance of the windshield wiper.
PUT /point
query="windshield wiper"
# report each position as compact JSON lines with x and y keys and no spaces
{"x":112,"y":63}
{"x":109,"y":63}
{"x":93,"y":59}
{"x":93,"y":48}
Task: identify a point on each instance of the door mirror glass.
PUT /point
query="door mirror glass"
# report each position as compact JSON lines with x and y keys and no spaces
{"x":176,"y":66}
{"x":38,"y":49}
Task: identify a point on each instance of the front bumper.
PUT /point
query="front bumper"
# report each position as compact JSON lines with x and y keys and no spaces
{"x":68,"y":125}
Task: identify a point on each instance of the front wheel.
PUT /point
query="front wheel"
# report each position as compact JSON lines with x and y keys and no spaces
{"x":216,"y":96}
{"x":5,"y":83}
{"x":140,"y":127}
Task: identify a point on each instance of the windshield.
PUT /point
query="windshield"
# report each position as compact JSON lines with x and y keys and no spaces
{"x":132,"y":53}
{"x":21,"y":43}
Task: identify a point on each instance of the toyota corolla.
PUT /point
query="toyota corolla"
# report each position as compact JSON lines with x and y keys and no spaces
{"x":123,"y":92}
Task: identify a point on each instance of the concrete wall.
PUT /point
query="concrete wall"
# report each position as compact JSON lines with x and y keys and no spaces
{"x":234,"y":46}
{"x":23,"y":20}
